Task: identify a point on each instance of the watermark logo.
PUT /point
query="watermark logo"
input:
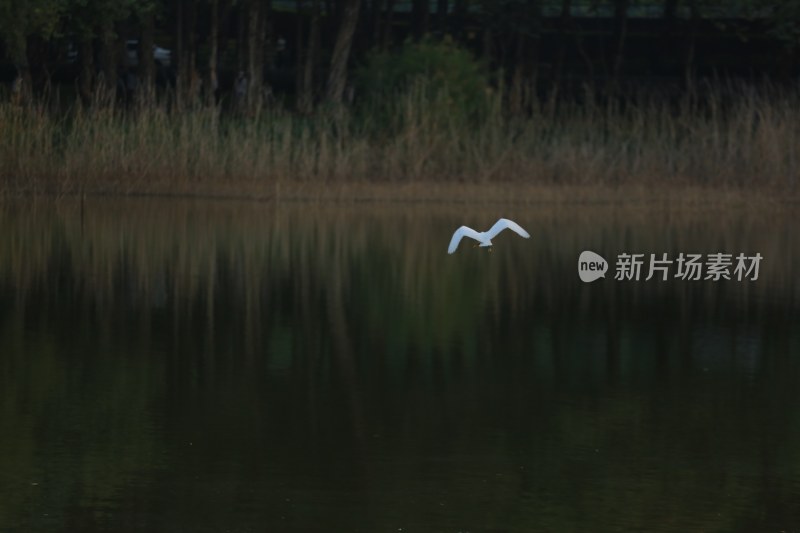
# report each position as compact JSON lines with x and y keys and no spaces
{"x":686,"y":267}
{"x":591,"y":266}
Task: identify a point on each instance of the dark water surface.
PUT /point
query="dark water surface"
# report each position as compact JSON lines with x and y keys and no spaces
{"x":219,"y":366}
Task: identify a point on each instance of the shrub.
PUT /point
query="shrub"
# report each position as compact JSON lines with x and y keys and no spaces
{"x":436,"y":78}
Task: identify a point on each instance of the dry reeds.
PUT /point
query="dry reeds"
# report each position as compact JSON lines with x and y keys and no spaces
{"x":731,"y":137}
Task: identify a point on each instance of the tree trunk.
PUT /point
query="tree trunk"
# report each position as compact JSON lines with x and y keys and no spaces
{"x":146,"y":61}
{"x":86,"y":85}
{"x":110,"y":57}
{"x":459,"y":18}
{"x":535,"y":47}
{"x":534,"y":64}
{"x":387,"y":25}
{"x":518,"y":79}
{"x":261,"y":45}
{"x":300,"y":52}
{"x":441,"y":16}
{"x":187,"y":81}
{"x":377,"y":18}
{"x":254,"y":72}
{"x":670,"y":9}
{"x":269,"y":38}
{"x":561,"y":51}
{"x":621,"y":30}
{"x":695,"y":22}
{"x":18,"y":50}
{"x":191,"y":52}
{"x":224,"y":16}
{"x":341,"y":52}
{"x":180,"y":79}
{"x":487,"y":48}
{"x":575,"y":30}
{"x":212,"y":83}
{"x":663,"y":53}
{"x":306,"y":92}
{"x":421,"y":18}
{"x":241,"y":42}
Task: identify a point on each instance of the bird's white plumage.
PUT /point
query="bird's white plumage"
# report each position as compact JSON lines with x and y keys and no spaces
{"x":504,"y":223}
{"x":485,"y":237}
{"x":463,"y":231}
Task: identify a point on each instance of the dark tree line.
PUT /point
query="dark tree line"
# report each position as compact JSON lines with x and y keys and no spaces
{"x":307,"y":47}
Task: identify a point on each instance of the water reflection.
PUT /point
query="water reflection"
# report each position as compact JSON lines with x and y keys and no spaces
{"x":217,"y":366}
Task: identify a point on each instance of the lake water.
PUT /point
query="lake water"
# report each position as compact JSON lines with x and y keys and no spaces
{"x":234,"y":367}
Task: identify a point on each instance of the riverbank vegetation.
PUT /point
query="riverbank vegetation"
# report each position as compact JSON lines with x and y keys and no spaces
{"x":505,"y":99}
{"x":716,"y":136}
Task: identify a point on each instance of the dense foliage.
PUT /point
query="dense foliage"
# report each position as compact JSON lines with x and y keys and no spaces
{"x":439,"y":73}
{"x":301,"y":49}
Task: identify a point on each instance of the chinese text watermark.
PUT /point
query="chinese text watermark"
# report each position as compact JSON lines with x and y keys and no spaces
{"x":688,"y":267}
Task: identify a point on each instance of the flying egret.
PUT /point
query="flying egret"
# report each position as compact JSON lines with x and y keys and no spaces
{"x":485,"y":237}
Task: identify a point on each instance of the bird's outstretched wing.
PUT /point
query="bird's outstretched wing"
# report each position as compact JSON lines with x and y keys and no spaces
{"x":463,"y":231}
{"x":504,"y":223}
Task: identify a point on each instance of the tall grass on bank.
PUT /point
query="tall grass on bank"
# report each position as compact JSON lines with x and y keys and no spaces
{"x":729,"y":136}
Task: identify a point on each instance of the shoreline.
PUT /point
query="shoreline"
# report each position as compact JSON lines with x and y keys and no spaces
{"x":739,"y":148}
{"x":511,"y":193}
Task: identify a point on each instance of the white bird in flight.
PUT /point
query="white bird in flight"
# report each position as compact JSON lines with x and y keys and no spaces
{"x":485,"y":237}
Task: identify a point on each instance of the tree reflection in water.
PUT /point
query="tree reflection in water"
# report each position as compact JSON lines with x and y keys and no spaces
{"x":286,"y":366}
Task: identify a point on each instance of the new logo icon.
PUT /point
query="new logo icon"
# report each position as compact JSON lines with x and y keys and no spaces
{"x":591,"y":266}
